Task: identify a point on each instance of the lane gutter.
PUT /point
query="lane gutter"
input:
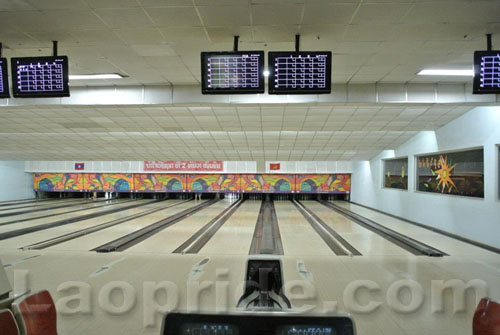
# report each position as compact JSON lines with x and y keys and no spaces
{"x":129,"y":240}
{"x":409,"y":244}
{"x":64,"y":213}
{"x":336,"y":242}
{"x":73,"y":235}
{"x":199,"y":239}
{"x":28,"y":230}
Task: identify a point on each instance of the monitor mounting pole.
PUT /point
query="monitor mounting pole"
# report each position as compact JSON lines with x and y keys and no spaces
{"x":297,"y":43}
{"x":54,"y":48}
{"x":236,"y":39}
{"x":488,"y":42}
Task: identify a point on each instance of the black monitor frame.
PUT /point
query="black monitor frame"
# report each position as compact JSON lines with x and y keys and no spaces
{"x":42,"y":94}
{"x":251,"y":323}
{"x":204,"y":86}
{"x":272,"y":75}
{"x":476,"y":88}
{"x":5,"y":79}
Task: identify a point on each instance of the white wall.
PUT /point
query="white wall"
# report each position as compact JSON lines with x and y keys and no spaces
{"x":16,"y":184}
{"x":124,"y":167}
{"x":229,"y":166}
{"x":310,"y":167}
{"x":477,"y":219}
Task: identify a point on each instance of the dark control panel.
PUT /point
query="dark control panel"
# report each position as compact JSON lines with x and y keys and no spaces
{"x":256,"y":324}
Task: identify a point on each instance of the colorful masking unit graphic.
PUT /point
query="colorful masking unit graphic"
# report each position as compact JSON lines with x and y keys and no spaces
{"x":212,"y":182}
{"x":156,"y":182}
{"x":58,"y":181}
{"x":277,"y":182}
{"x":109,"y":182}
{"x":323,"y":183}
{"x":457,"y":173}
{"x":229,"y":183}
{"x":250,"y":183}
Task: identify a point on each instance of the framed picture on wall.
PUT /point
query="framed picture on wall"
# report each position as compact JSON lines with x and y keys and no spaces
{"x":454,"y":173}
{"x":395,"y":173}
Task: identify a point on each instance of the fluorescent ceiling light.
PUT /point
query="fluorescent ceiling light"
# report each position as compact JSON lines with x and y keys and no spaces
{"x":95,"y":76}
{"x":443,"y":72}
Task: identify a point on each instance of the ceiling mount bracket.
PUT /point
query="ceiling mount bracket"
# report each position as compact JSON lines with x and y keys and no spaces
{"x":54,"y":48}
{"x":236,"y":39}
{"x":297,"y":42}
{"x":489,"y":47}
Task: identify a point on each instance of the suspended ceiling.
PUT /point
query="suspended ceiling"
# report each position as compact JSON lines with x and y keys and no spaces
{"x":158,"y":42}
{"x":256,"y":132}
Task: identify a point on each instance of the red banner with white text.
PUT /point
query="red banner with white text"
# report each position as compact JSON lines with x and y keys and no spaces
{"x":205,"y":166}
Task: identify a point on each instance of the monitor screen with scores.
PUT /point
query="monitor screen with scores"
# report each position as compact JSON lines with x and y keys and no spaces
{"x":235,"y":72}
{"x":4,"y":84}
{"x":40,"y":77}
{"x":486,"y":72}
{"x":300,"y":72}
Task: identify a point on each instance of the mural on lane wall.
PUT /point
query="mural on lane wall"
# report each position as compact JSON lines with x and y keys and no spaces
{"x":109,"y":182}
{"x":58,"y":181}
{"x":212,"y":183}
{"x":277,"y":182}
{"x":323,"y":183}
{"x":156,"y":182}
{"x":250,"y":182}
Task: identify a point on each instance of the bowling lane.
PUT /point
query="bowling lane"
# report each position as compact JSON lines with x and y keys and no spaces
{"x":447,"y":244}
{"x":235,"y":236}
{"x":39,"y":204}
{"x":297,"y":235}
{"x":42,"y":205}
{"x":87,"y":209}
{"x":93,"y":240}
{"x":169,"y":239}
{"x":367,"y":242}
{"x":39,"y":236}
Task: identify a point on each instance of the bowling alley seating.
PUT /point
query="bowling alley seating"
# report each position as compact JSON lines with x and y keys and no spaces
{"x":486,"y":319}
{"x":8,"y":325}
{"x":36,"y":314}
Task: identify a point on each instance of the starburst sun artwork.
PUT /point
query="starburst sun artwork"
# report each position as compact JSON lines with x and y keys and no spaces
{"x":444,"y":175}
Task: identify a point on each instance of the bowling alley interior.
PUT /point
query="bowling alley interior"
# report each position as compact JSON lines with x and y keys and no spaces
{"x":250,"y":167}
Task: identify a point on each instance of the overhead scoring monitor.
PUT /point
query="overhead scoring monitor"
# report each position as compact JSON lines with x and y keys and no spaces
{"x":234,"y":72}
{"x":301,"y":72}
{"x":486,"y":72}
{"x":40,"y":77}
{"x":4,"y":84}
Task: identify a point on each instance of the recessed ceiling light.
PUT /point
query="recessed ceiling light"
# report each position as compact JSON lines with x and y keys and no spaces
{"x":266,"y":73}
{"x":95,"y":76}
{"x":443,"y":72}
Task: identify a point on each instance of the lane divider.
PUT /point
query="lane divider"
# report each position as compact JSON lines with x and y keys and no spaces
{"x":336,"y":242}
{"x":266,"y":237}
{"x":199,"y":239}
{"x":29,"y":230}
{"x":47,"y":208}
{"x":129,"y":240}
{"x":63,"y":213}
{"x":407,"y":243}
{"x":70,"y":236}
